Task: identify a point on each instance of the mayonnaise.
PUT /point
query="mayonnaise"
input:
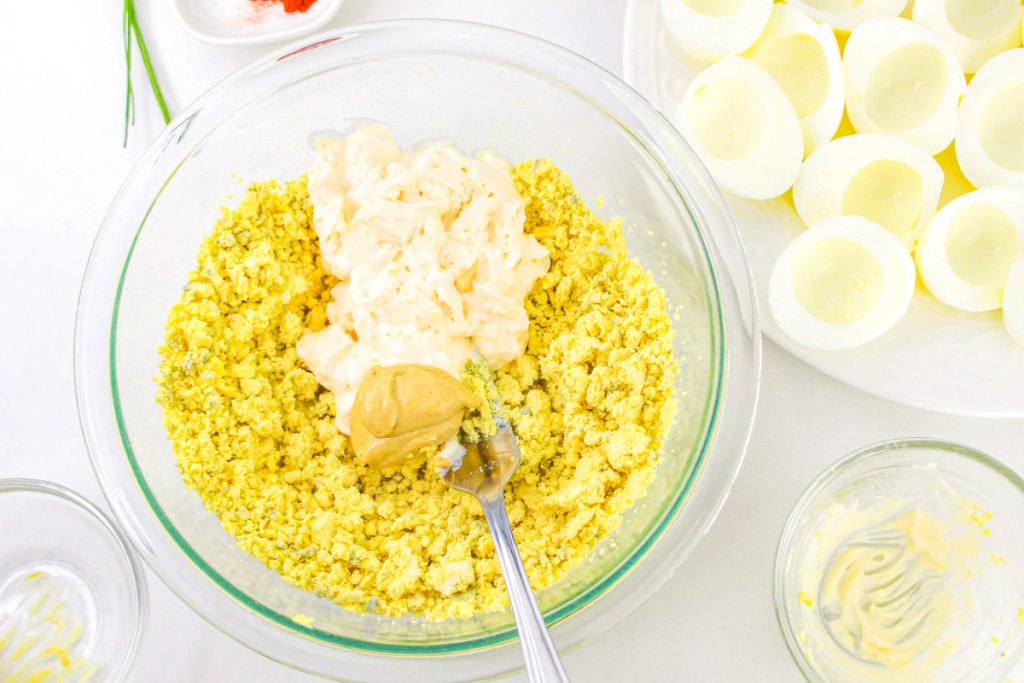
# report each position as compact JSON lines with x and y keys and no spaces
{"x":889,"y":593}
{"x":903,"y":589}
{"x":429,"y":248}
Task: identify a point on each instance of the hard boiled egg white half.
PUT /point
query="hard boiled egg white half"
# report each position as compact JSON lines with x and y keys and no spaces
{"x":841,"y":283}
{"x":1013,"y":302}
{"x":990,"y":136}
{"x":975,"y":30}
{"x":743,"y":127}
{"x":803,"y":57}
{"x":710,"y":29}
{"x":846,"y":15}
{"x":901,"y":79}
{"x":966,"y":252}
{"x":879,"y":177}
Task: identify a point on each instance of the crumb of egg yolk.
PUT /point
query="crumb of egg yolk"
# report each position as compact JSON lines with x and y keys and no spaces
{"x":482,"y":422}
{"x":303,"y":620}
{"x":254,"y":433}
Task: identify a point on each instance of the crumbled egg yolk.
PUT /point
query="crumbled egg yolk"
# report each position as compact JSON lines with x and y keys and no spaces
{"x":254,"y":433}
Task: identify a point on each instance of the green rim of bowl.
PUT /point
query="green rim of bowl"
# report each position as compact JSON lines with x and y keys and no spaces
{"x":779,"y":597}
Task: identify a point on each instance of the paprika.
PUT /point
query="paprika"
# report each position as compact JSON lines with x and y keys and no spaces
{"x":290,"y":6}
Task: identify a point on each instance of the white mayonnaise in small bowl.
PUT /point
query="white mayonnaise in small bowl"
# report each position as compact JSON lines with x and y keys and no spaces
{"x":902,"y":562}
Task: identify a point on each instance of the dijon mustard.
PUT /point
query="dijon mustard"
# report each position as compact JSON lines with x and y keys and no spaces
{"x":400,"y":410}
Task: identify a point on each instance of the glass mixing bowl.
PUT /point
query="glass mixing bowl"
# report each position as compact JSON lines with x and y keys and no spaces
{"x":479,"y":87}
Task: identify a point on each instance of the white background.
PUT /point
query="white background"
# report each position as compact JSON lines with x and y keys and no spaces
{"x":61,"y":160}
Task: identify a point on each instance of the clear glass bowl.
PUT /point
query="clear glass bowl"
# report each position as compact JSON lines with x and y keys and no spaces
{"x":478,"y":87}
{"x":910,"y":470}
{"x":68,"y":580}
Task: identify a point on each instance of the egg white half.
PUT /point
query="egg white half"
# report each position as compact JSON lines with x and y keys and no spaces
{"x":990,"y":134}
{"x":879,"y":177}
{"x":966,"y":252}
{"x":840,"y":284}
{"x":902,"y":80}
{"x":711,"y":29}
{"x":846,"y":15}
{"x":743,"y":127}
{"x":802,"y":55}
{"x":975,"y":31}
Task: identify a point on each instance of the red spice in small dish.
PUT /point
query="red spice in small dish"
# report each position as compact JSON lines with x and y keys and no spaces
{"x":290,"y":6}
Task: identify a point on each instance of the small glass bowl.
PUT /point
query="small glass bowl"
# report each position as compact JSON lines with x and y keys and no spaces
{"x":71,"y":588}
{"x":987,"y":647}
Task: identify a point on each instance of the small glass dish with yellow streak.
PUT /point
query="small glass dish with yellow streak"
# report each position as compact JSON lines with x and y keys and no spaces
{"x":904,"y":561}
{"x":72,"y":593}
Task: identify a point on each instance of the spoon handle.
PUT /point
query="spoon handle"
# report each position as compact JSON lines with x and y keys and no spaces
{"x":542,"y":662}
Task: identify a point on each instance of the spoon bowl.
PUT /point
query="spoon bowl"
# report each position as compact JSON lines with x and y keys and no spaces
{"x":488,"y":464}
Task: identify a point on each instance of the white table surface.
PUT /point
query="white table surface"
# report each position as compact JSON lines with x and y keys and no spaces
{"x":61,"y":160}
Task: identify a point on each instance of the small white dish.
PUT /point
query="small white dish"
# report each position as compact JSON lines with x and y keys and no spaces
{"x":936,"y":357}
{"x":245,"y":22}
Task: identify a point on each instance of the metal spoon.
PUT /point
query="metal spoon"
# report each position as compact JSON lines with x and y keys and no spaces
{"x":485,"y":468}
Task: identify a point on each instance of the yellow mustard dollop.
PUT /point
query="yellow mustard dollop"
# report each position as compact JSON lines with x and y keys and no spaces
{"x":401,"y":409}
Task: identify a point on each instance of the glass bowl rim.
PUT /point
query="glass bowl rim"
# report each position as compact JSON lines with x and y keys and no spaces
{"x":820,"y":483}
{"x":136,"y":574}
{"x":713,"y":255}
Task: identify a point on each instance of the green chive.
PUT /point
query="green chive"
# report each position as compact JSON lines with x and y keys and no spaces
{"x":131,"y":29}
